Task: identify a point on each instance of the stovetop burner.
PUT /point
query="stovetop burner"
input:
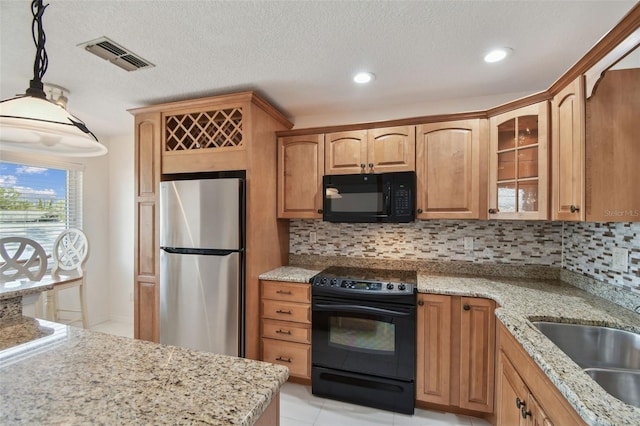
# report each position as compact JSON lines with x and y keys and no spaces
{"x":366,"y":280}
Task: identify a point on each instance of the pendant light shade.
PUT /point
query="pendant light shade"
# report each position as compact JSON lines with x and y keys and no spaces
{"x":32,"y":123}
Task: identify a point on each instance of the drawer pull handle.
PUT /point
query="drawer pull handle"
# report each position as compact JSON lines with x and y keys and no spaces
{"x":280,"y":311}
{"x":283,"y":292}
{"x":284,"y":359}
{"x":283,"y":332}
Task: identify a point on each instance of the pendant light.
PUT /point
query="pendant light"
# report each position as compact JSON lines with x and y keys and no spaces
{"x":31,"y":123}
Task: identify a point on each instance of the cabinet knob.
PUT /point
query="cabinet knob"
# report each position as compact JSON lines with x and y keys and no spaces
{"x":320,"y":211}
{"x":371,"y":165}
{"x":493,"y":211}
{"x":362,"y":166}
{"x":466,"y":307}
{"x":574,"y":209}
{"x":419,"y":211}
{"x":519,"y":403}
{"x":421,"y":302}
{"x":524,"y":412}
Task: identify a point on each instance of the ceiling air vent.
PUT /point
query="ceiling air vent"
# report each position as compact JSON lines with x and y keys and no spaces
{"x":116,"y":54}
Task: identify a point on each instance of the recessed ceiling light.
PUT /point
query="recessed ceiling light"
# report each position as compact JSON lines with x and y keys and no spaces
{"x":364,"y":77}
{"x":497,"y":55}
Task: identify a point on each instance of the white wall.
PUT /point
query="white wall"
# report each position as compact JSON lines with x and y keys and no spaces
{"x":121,"y":225}
{"x":96,"y":226}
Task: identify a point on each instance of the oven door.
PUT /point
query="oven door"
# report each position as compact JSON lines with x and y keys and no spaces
{"x":364,"y":337}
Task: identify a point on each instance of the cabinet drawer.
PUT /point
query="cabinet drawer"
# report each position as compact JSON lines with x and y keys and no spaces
{"x":286,"y":311}
{"x":296,"y":356}
{"x":286,"y":330}
{"x":292,"y":292}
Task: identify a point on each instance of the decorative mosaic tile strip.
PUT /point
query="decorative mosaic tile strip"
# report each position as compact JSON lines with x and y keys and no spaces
{"x":587,"y":250}
{"x":502,"y":242}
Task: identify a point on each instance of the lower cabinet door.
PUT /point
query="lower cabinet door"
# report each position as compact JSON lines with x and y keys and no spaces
{"x":296,"y":356}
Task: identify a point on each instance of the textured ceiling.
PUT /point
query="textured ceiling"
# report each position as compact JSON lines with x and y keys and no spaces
{"x":300,"y":55}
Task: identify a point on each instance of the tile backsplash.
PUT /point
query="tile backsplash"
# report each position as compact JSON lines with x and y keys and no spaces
{"x":587,"y":248}
{"x":513,"y":242}
{"x":584,"y":248}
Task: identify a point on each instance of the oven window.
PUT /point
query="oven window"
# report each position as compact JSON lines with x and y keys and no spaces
{"x":362,"y":334}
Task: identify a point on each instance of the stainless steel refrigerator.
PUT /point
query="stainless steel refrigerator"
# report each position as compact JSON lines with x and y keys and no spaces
{"x":202,"y":264}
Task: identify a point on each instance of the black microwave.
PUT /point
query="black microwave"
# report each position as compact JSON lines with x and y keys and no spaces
{"x":382,"y":197}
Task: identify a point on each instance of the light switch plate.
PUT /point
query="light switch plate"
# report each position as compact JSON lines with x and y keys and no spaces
{"x":620,"y":259}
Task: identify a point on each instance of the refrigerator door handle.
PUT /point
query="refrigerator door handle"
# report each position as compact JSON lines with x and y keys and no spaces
{"x":200,"y":251}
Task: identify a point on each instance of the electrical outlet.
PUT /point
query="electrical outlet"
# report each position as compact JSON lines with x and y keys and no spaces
{"x":620,"y":260}
{"x":468,"y":243}
{"x":312,"y":237}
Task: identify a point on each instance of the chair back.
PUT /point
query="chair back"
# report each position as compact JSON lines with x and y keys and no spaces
{"x":21,"y":258}
{"x":70,"y":251}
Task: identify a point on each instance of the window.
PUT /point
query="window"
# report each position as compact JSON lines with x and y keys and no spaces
{"x":39,"y":200}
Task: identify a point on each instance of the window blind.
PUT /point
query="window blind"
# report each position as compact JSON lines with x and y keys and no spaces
{"x":39,"y":200}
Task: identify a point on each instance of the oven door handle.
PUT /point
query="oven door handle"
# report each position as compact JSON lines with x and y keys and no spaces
{"x":358,"y":309}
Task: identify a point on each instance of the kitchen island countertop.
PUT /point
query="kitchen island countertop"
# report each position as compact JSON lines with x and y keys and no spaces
{"x":75,"y":376}
{"x":524,"y":300}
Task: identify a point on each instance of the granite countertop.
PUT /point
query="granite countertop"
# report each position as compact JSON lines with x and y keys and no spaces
{"x":75,"y":376}
{"x":292,"y":274}
{"x":524,"y":300}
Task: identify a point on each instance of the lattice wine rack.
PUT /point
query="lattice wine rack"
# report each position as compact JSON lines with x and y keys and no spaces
{"x":204,"y":130}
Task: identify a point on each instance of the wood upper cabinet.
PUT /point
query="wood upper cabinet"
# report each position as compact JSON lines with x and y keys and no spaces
{"x":568,"y":147}
{"x":456,"y":347}
{"x":518,"y":164}
{"x":300,"y":171}
{"x":451,"y":169}
{"x":390,"y":149}
{"x":524,"y":394}
{"x":613,"y":148}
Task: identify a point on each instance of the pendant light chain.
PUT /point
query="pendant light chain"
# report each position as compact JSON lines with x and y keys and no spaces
{"x":41,"y":61}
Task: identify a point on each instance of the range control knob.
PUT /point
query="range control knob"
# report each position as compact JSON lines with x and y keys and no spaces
{"x":390,"y":286}
{"x":334,"y":282}
{"x":323,"y":281}
{"x":402,"y":287}
{"x":343,"y":284}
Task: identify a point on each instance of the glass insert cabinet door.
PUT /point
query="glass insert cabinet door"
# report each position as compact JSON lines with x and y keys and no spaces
{"x":518,"y":174}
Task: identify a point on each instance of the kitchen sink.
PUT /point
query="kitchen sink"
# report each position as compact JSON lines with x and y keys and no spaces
{"x":610,"y":356}
{"x":593,"y":346}
{"x":622,"y":384}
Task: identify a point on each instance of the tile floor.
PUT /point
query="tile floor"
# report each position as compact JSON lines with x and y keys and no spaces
{"x":298,"y":407}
